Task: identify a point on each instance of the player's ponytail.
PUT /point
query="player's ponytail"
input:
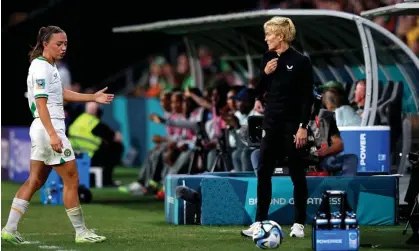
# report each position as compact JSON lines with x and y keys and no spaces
{"x":44,"y":35}
{"x":39,"y":48}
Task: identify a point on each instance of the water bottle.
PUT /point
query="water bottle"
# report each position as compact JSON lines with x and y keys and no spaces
{"x":350,"y":220}
{"x":53,"y":194}
{"x":321,"y":221}
{"x":335,"y":220}
{"x":50,"y":190}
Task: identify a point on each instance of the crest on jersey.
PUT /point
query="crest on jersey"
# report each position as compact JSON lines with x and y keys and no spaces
{"x":67,"y":152}
{"x":40,"y":84}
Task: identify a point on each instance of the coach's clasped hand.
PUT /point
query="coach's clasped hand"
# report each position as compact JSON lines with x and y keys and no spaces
{"x":301,"y":138}
{"x":271,"y":66}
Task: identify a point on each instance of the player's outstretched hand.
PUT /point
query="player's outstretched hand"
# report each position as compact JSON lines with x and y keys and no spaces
{"x":102,"y":97}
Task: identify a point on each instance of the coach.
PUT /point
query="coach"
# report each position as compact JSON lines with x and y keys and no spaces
{"x":285,"y":97}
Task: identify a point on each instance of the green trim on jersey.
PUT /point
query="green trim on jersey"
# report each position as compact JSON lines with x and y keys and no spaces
{"x":44,"y":59}
{"x":33,"y":109}
{"x":41,"y":95}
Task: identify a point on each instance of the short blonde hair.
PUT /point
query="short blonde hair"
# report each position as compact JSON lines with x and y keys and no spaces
{"x":281,"y":25}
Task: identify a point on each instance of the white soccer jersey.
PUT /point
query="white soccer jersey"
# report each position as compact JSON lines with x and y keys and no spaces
{"x":44,"y":81}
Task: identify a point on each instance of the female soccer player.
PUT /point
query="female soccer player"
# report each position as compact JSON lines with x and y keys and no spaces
{"x":50,"y":146}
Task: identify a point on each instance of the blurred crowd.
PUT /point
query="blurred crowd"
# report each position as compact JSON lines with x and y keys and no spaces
{"x":163,"y":76}
{"x":208,"y":131}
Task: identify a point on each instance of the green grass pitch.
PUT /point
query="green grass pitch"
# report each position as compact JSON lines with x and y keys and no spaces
{"x":132,"y":223}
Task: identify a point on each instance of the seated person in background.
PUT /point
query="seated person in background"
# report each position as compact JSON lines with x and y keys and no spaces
{"x":153,"y":184}
{"x":332,"y":85}
{"x":165,"y":103}
{"x":345,"y":115}
{"x":194,"y":114}
{"x":150,"y":172}
{"x":152,"y":81}
{"x":229,"y":109}
{"x":329,"y":145}
{"x":359,"y":100}
{"x":103,"y":145}
{"x":214,"y":125}
{"x":179,"y":161}
{"x":241,"y":155}
{"x":231,"y":102}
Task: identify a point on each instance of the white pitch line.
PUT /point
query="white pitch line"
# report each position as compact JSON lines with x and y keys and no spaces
{"x":57,"y":248}
{"x":32,"y":242}
{"x":49,"y":247}
{"x":52,"y":247}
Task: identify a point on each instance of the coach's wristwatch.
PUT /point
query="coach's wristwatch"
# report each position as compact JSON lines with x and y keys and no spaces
{"x":303,"y":125}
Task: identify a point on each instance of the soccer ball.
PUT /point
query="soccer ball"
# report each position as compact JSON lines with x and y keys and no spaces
{"x":268,"y":235}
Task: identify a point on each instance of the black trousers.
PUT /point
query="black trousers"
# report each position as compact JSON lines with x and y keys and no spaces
{"x":412,"y":192}
{"x":108,"y":156}
{"x":277,"y":144}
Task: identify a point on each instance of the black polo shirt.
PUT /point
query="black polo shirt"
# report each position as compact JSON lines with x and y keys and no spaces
{"x":287,"y":93}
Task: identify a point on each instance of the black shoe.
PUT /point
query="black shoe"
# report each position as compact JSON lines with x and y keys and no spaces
{"x":413,"y":240}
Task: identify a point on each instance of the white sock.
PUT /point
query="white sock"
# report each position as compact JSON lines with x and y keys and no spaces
{"x":77,"y":219}
{"x":19,"y":207}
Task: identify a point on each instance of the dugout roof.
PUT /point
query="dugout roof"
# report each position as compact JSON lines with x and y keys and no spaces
{"x":408,"y":7}
{"x":342,"y":47}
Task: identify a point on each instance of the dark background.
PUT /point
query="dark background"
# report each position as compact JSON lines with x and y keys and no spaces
{"x":94,"y":52}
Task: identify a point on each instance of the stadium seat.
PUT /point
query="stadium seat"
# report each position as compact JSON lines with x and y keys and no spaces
{"x":386,"y":93}
{"x":351,"y":93}
{"x":377,"y":120}
{"x":390,"y":112}
{"x":97,"y":172}
{"x":345,"y":85}
{"x":385,"y":96}
{"x":407,"y":138}
{"x":380,"y":88}
{"x":348,"y":87}
{"x":389,"y":99}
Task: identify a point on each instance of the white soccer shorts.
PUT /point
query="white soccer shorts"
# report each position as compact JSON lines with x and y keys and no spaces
{"x":41,"y":149}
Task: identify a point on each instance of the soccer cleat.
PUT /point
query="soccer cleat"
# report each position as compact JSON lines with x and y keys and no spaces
{"x":160,"y":195}
{"x":297,"y":230}
{"x":134,"y":188}
{"x":12,"y":237}
{"x":249,"y":232}
{"x":89,"y":236}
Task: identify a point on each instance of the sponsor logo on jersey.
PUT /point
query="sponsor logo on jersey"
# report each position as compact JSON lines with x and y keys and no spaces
{"x":40,"y":83}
